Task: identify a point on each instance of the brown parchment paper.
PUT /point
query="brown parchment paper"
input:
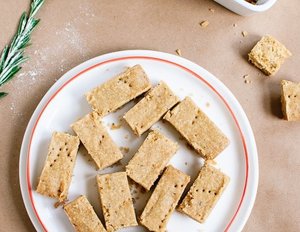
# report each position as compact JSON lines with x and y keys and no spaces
{"x":73,"y":31}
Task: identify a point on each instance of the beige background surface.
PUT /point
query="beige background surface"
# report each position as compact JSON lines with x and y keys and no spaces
{"x":73,"y":31}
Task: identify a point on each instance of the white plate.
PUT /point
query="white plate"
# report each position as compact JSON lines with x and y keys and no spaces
{"x":64,"y":103}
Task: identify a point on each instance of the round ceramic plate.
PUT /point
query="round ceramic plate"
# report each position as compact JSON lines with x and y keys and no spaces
{"x":65,"y":103}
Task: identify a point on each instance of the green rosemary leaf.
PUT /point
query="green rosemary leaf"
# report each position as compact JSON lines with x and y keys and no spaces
{"x":35,"y":6}
{"x":3,"y":57}
{"x":22,"y":23}
{"x":12,"y":72}
{"x":3,"y":94}
{"x":12,"y":55}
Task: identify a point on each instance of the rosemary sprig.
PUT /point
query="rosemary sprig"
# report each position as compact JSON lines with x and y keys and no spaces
{"x":12,"y":55}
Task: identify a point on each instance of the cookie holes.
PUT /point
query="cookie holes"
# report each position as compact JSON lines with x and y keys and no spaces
{"x":209,"y":191}
{"x":289,"y":96}
{"x":203,"y":190}
{"x":69,"y":154}
{"x":197,"y":190}
{"x":193,"y":122}
{"x":66,"y":144}
{"x":175,"y":185}
{"x":103,"y":136}
{"x":60,"y":149}
{"x":181,"y":186}
{"x":130,"y":85}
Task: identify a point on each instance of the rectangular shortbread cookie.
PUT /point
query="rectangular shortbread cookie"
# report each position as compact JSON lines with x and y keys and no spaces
{"x":97,"y":141}
{"x":57,"y":172}
{"x":204,"y":193}
{"x":290,"y":100}
{"x":151,"y":158}
{"x":200,"y":132}
{"x":151,"y":108}
{"x":82,"y":216}
{"x":119,"y":90}
{"x":268,"y":55}
{"x":116,"y":201}
{"x":164,"y":199}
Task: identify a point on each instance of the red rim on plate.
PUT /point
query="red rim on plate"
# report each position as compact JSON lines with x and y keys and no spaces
{"x":29,"y":188}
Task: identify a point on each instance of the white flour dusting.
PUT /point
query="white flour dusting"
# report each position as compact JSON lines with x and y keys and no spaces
{"x":68,"y":41}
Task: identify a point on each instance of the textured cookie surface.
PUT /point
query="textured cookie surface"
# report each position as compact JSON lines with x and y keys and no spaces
{"x":290,"y":100}
{"x":151,"y":108}
{"x":97,"y":141}
{"x":151,"y":158}
{"x":82,"y":216}
{"x":116,"y":92}
{"x":200,"y":132}
{"x":268,"y":55}
{"x":164,"y":199}
{"x":57,"y":172}
{"x":204,"y":193}
{"x":116,"y":201}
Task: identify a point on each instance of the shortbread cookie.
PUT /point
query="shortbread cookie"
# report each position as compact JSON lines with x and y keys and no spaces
{"x":204,"y":193}
{"x":97,"y":141}
{"x":268,"y":55}
{"x":116,"y":92}
{"x":151,"y":158}
{"x":290,"y":100}
{"x":57,"y":173}
{"x":164,"y":199}
{"x":82,"y":216}
{"x":116,"y":201}
{"x":151,"y":108}
{"x":200,"y":132}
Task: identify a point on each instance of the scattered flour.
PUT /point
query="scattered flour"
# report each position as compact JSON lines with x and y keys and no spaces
{"x":68,"y":39}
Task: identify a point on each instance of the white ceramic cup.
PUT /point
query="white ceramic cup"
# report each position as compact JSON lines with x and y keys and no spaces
{"x":245,"y":8}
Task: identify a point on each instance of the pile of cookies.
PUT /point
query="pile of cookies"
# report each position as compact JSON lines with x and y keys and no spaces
{"x":147,"y":165}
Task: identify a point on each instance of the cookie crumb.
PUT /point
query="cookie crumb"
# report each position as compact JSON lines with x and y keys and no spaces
{"x":207,"y":104}
{"x":126,"y":136}
{"x":124,"y":149}
{"x":133,"y":201}
{"x":185,"y":163}
{"x":246,"y":76}
{"x":204,"y":23}
{"x":234,"y":25}
{"x":178,"y":51}
{"x":247,"y":81}
{"x":211,"y":10}
{"x":60,"y":203}
{"x":115,"y":126}
{"x":244,"y":33}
